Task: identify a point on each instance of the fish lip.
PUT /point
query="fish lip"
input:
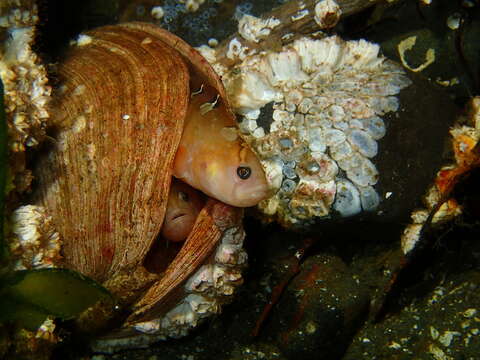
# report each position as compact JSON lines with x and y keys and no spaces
{"x":177,"y":216}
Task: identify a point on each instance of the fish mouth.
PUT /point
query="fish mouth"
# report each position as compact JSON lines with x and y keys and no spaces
{"x":252,"y":198}
{"x":177,"y":216}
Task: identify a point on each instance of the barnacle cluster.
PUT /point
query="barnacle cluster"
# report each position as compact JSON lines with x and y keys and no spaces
{"x":25,"y":84}
{"x":35,"y":244}
{"x":313,"y":114}
{"x":211,"y":286}
{"x":204,"y":289}
{"x":23,"y":76}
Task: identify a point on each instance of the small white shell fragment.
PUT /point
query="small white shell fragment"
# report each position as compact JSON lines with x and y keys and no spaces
{"x":202,"y":280}
{"x":469,"y":313}
{"x":347,"y":201}
{"x":410,"y":237}
{"x":255,"y":29}
{"x":193,"y":5}
{"x":157,"y":12}
{"x":83,"y":39}
{"x":305,"y":105}
{"x":327,"y":13}
{"x":453,"y":21}
{"x":46,"y":331}
{"x":283,"y":67}
{"x":281,"y":116}
{"x":300,"y":15}
{"x":230,"y":254}
{"x":328,"y":168}
{"x":212,"y":42}
{"x":233,"y":236}
{"x":148,"y":327}
{"x":436,"y":352}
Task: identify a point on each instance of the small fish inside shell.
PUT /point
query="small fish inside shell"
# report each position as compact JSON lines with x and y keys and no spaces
{"x":183,"y":206}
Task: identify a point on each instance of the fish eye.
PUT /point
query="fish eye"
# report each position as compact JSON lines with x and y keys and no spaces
{"x":244,"y":172}
{"x":183,"y":196}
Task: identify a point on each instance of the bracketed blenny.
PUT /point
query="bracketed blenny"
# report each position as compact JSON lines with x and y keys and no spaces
{"x":184,"y":205}
{"x":212,"y":157}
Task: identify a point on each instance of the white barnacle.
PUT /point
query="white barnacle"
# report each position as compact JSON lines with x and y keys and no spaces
{"x":83,"y":40}
{"x":236,"y":49}
{"x":347,"y":199}
{"x":363,"y":143}
{"x":255,"y":29}
{"x":212,"y":42}
{"x":157,"y":12}
{"x":193,"y":5}
{"x":327,"y":13}
{"x":454,"y":21}
{"x":369,"y":198}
